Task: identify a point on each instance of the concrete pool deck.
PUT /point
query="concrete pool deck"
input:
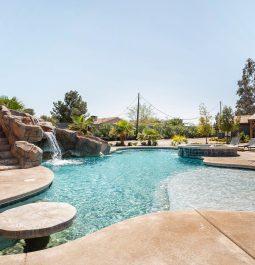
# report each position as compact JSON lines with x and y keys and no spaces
{"x":21,"y":183}
{"x":245,"y":160}
{"x":183,"y":238}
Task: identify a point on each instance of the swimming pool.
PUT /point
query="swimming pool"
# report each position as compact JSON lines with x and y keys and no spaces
{"x":128,"y":183}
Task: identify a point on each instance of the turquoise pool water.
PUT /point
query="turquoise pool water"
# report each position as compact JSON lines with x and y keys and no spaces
{"x":109,"y":189}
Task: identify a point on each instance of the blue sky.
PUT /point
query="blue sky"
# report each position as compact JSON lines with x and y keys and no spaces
{"x":177,"y":54}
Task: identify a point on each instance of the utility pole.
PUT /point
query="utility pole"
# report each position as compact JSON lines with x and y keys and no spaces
{"x":220,"y":117}
{"x":137,"y":117}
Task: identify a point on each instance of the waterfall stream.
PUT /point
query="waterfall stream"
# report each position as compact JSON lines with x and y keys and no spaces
{"x":53,"y":145}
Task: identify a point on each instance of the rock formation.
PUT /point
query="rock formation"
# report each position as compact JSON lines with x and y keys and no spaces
{"x":29,"y":155}
{"x":73,"y":144}
{"x":21,"y":131}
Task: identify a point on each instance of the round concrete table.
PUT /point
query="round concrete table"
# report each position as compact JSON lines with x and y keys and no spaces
{"x":35,"y":222}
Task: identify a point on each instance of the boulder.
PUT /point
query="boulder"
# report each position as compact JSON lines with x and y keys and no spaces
{"x":21,"y":131}
{"x":47,"y":126}
{"x":73,"y":144}
{"x":19,"y":126}
{"x":29,"y":155}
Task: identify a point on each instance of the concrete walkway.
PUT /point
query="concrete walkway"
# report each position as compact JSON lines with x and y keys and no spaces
{"x":20,"y":183}
{"x":179,"y":238}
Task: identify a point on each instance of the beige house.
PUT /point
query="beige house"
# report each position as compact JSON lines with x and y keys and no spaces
{"x":105,"y":121}
{"x":247,"y":124}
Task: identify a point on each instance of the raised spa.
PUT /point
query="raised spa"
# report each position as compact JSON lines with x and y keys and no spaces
{"x":199,"y":151}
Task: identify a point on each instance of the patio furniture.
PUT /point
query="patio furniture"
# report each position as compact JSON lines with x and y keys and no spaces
{"x":249,"y":145}
{"x":35,"y":222}
{"x":235,"y":141}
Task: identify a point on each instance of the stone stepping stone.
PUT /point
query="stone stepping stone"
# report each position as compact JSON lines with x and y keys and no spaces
{"x":35,"y":222}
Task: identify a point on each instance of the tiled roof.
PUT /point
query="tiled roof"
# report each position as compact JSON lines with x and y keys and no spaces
{"x":110,"y":120}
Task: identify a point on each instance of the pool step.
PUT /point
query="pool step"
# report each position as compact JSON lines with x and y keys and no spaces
{"x":9,"y":161}
{"x":3,"y":140}
{"x":5,"y":154}
{"x":4,"y":147}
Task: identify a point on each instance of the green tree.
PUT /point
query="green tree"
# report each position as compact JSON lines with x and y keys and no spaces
{"x":11,"y":103}
{"x":29,"y":111}
{"x":228,"y":123}
{"x":245,"y":105}
{"x":73,"y":105}
{"x":122,"y":129}
{"x":104,"y":131}
{"x":81,"y":124}
{"x":173,"y":127}
{"x":205,"y":124}
{"x":176,"y":122}
{"x":146,"y":114}
{"x":216,"y":124}
{"x":49,"y":119}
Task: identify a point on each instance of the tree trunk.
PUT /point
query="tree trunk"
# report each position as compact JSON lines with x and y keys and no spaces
{"x":227,"y":139}
{"x":122,"y":139}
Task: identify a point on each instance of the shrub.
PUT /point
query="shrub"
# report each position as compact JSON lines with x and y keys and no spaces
{"x":104,"y":131}
{"x":244,"y":138}
{"x":218,"y":140}
{"x":178,"y":139}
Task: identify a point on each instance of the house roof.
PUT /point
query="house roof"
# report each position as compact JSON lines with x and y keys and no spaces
{"x":252,"y":117}
{"x":244,"y":119}
{"x":110,"y":120}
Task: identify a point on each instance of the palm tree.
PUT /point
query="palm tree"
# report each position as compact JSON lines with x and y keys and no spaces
{"x":81,"y":124}
{"x":122,"y":129}
{"x":150,"y":135}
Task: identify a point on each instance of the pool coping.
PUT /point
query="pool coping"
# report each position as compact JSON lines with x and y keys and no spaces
{"x":19,"y":184}
{"x":240,"y":162}
{"x":121,"y":148}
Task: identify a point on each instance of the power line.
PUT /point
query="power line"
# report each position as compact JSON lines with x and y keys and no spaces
{"x":170,"y":116}
{"x":157,"y":109}
{"x":126,"y":108}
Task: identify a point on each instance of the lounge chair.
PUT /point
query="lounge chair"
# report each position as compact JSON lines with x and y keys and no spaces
{"x":235,"y":141}
{"x":249,"y":145}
